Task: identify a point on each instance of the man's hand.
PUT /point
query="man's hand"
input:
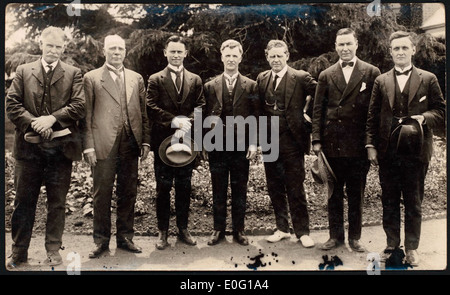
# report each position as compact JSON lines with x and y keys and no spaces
{"x":47,"y":133}
{"x":179,"y":133}
{"x":144,"y":152}
{"x":419,"y":118}
{"x":251,"y":152}
{"x":182,"y":123}
{"x":90,"y":158}
{"x":372,"y":156}
{"x":317,"y":147}
{"x":42,"y":123}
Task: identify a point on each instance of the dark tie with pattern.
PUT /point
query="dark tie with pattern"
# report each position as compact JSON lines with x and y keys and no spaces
{"x":50,"y":69}
{"x":230,"y":82}
{"x":177,"y":79}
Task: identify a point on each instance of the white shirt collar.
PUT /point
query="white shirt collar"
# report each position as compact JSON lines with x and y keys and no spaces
{"x":353,"y":60}
{"x":405,"y":69}
{"x":180,"y":68}
{"x":231,"y":77}
{"x":280,"y":73}
{"x":45,"y":64}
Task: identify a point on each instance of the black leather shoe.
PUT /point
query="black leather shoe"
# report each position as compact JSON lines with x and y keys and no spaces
{"x":355,"y":245}
{"x":15,"y":260}
{"x":185,"y":236}
{"x":162,"y":243}
{"x":330,"y":244}
{"x":99,"y":250}
{"x":240,"y":237}
{"x":216,"y":237}
{"x":128,"y":245}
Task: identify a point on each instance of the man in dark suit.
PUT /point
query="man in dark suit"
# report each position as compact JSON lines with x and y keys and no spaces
{"x":282,"y":92}
{"x":172,"y":96}
{"x":401,"y":93}
{"x":116,"y":134}
{"x":45,"y":101}
{"x":339,"y":122}
{"x":227,"y":96}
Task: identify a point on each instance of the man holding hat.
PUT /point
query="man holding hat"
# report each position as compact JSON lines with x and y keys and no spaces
{"x":406,"y":105}
{"x":116,"y":134}
{"x":227,"y":96}
{"x":44,"y":102}
{"x":339,"y":120}
{"x":172,"y":96}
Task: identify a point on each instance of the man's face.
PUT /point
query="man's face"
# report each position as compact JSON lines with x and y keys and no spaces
{"x":175,"y":53}
{"x":346,"y":46}
{"x":52,"y":47}
{"x":277,"y":58}
{"x":402,"y":50}
{"x":231,"y":58}
{"x":115,"y":53}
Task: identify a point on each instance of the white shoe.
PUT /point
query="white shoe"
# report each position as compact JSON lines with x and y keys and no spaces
{"x":306,"y":241}
{"x":277,"y":236}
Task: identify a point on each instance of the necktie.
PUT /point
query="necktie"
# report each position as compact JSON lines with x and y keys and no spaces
{"x":398,"y":73}
{"x":275,"y":81}
{"x":230,"y":84}
{"x":347,"y":63}
{"x":50,"y":69}
{"x":177,"y":79}
{"x":119,"y":82}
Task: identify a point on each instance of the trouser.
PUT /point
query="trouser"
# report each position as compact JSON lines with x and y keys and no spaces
{"x":285,"y":178}
{"x":232,"y":165}
{"x":165,"y":177}
{"x":54,"y":170}
{"x":123,"y":162}
{"x":402,"y":176}
{"x":352,"y":173}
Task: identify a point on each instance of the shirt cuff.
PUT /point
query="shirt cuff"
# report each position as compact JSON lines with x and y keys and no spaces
{"x":146,"y":144}
{"x":369,"y":146}
{"x":88,"y":150}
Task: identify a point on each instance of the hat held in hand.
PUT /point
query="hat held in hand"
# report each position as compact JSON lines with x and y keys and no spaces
{"x":323,"y":174}
{"x":407,"y":138}
{"x":178,"y":154}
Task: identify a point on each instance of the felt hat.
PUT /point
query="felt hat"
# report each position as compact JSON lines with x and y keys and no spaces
{"x":178,"y":154}
{"x":323,"y":174}
{"x":407,"y":138}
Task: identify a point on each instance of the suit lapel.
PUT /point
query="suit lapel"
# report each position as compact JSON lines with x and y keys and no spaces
{"x":109,"y":85}
{"x":390,"y":87}
{"x":240,"y":86}
{"x":290,"y":85}
{"x":414,"y":84}
{"x":338,"y":77}
{"x":169,"y":86}
{"x":129,"y":83}
{"x":58,"y":74}
{"x":355,"y":78}
{"x":265,"y":81}
{"x":218,"y":86}
{"x":39,"y":75}
{"x":187,"y":82}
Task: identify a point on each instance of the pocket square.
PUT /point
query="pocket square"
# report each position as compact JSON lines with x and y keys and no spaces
{"x":363,"y":87}
{"x":422,"y":98}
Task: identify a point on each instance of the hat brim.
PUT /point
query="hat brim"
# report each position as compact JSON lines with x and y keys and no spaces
{"x":177,"y":158}
{"x":402,"y":141}
{"x":328,"y":166}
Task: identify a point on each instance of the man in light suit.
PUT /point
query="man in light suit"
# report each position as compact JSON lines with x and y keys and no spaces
{"x":116,"y":134}
{"x":172,"y":96}
{"x":401,"y":93}
{"x":227,"y":96}
{"x":339,"y":122}
{"x":282,"y":93}
{"x":45,"y":100}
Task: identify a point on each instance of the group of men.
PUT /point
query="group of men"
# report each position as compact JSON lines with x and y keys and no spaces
{"x":110,"y":118}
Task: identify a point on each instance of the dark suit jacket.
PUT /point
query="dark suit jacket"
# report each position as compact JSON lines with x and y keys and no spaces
{"x":299,"y":85}
{"x":245,"y":101}
{"x":425,"y":98}
{"x":340,"y":109}
{"x":103,"y":110}
{"x":162,"y":105}
{"x":24,"y":99}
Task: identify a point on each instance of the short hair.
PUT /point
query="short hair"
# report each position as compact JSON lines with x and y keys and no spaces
{"x":402,"y":34}
{"x":231,"y":44}
{"x":53,"y":31}
{"x":113,"y":38}
{"x":346,"y":31}
{"x":276,"y":44}
{"x":176,"y":39}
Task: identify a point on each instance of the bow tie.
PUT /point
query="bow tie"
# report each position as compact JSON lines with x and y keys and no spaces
{"x":398,"y":73}
{"x":347,"y":63}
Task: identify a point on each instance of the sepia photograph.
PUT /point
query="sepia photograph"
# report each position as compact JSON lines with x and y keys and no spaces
{"x":234,"y":138}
